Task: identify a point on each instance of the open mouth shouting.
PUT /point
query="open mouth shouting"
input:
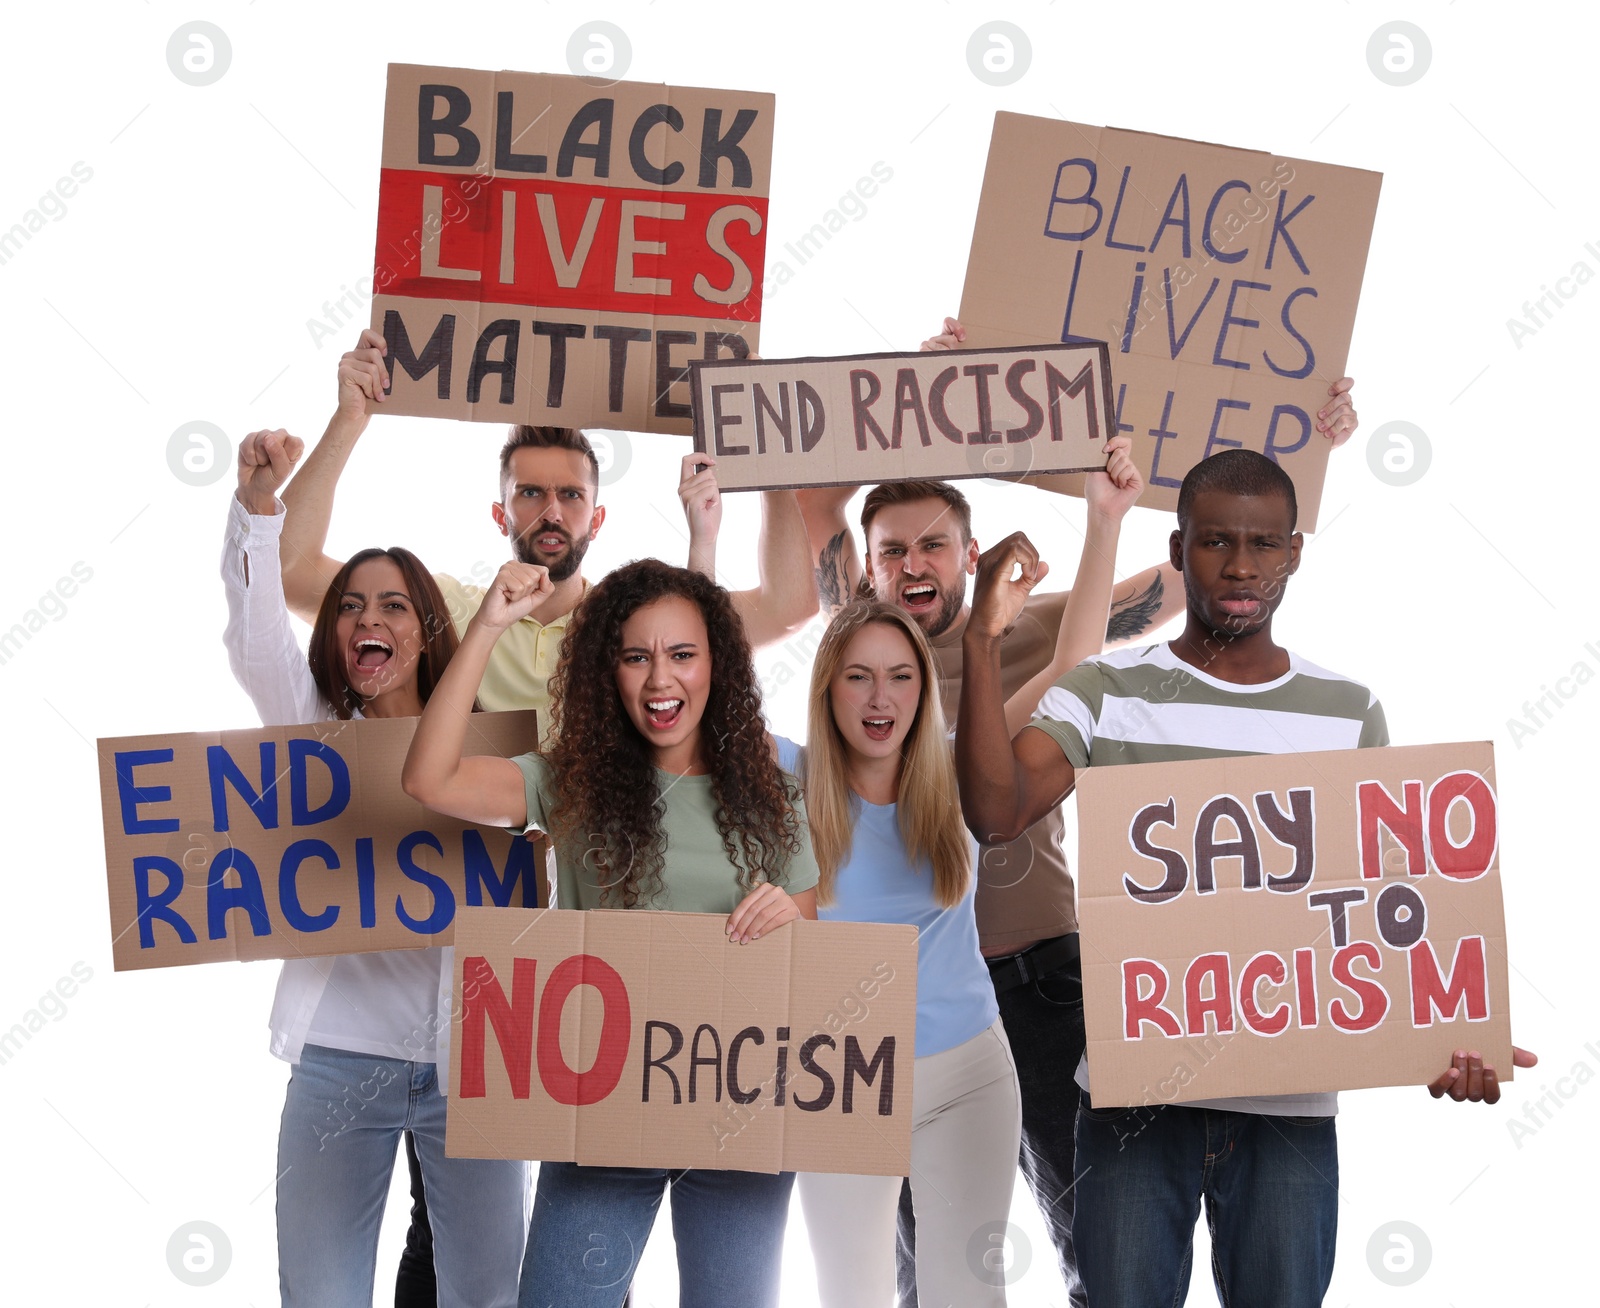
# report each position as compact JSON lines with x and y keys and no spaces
{"x":373,"y":654}
{"x":879,"y":729}
{"x":919,"y":597}
{"x":663,"y":714}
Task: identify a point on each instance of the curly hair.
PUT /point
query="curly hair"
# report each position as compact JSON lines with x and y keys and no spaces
{"x":607,"y":794}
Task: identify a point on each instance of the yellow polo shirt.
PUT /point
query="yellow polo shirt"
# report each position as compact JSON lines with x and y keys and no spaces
{"x":524,"y":658}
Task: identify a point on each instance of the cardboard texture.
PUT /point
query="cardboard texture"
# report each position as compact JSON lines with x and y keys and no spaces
{"x":859,"y":418}
{"x":642,"y":1039}
{"x":555,"y":250}
{"x":1225,"y":280}
{"x":290,"y":842}
{"x":1290,"y":923}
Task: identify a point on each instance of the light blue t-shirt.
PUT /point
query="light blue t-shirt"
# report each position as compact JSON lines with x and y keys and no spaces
{"x":955,"y":998}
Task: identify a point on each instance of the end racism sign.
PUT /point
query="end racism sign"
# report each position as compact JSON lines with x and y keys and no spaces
{"x":554,"y":251}
{"x":642,"y":1039}
{"x":1225,"y":280}
{"x":288,"y":842}
{"x":1290,"y":923}
{"x":776,"y":423}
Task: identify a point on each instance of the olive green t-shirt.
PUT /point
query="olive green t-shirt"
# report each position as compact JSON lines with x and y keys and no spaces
{"x":697,"y":878}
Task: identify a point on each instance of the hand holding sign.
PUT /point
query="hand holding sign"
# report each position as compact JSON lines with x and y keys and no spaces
{"x":517,"y":589}
{"x":1113,"y":492}
{"x":1337,"y":419}
{"x":764,"y":909}
{"x":362,"y":375}
{"x":997,"y":596}
{"x":699,"y":495}
{"x":952,"y":337}
{"x":266,"y":458}
{"x":1469,"y":1080}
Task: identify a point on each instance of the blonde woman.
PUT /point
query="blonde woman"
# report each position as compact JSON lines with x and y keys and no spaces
{"x":890,"y":846}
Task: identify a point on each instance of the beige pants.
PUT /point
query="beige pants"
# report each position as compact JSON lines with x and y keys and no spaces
{"x":966,"y":1130}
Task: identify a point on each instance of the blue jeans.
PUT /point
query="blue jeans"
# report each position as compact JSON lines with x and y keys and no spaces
{"x":342,"y":1122}
{"x":590,"y":1225}
{"x":1270,"y":1187}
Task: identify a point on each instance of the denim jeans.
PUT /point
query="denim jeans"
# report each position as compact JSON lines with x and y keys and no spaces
{"x":414,"y":1284}
{"x":1270,"y":1186}
{"x":1043,"y":1019}
{"x":590,"y":1225}
{"x":342,"y":1122}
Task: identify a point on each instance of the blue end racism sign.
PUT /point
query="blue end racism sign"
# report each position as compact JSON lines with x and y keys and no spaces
{"x":287,"y":842}
{"x":1225,"y":282}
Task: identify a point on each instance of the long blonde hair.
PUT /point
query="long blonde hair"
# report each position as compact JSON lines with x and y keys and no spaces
{"x":928,"y":804}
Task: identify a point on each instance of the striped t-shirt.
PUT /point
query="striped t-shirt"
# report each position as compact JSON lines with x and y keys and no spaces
{"x":1149,"y":706}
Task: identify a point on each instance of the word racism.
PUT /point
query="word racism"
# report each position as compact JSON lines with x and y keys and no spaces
{"x":293,"y":841}
{"x":551,"y":255}
{"x":1226,"y":281}
{"x":674,"y":1029}
{"x":1371,"y":960}
{"x":885,"y":417}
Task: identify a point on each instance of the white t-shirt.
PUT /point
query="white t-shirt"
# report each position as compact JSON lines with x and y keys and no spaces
{"x":385,"y":1004}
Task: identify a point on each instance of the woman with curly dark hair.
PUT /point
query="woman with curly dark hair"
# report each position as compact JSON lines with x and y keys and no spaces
{"x":660,"y":790}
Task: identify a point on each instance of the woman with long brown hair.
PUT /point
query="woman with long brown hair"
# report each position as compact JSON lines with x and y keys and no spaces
{"x":359,"y":1029}
{"x":660,"y":790}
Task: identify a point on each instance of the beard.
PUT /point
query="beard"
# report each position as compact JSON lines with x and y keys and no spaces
{"x":935,"y":622}
{"x":564,"y":565}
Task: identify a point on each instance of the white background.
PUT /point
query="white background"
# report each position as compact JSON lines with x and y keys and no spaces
{"x":178,"y":287}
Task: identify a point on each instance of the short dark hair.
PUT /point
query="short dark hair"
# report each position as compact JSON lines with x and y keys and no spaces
{"x":905,"y":492}
{"x":438,"y":631}
{"x":523,"y":436}
{"x":1236,"y":472}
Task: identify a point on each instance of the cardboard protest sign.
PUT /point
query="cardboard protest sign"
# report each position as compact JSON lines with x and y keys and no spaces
{"x":776,"y":423}
{"x":290,"y":842}
{"x":1225,"y":281}
{"x":552,"y":250}
{"x":1288,"y":923}
{"x":642,"y":1039}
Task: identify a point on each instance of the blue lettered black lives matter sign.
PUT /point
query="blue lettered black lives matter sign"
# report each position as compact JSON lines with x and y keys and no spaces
{"x":290,"y":842}
{"x":1225,"y":281}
